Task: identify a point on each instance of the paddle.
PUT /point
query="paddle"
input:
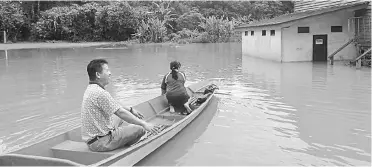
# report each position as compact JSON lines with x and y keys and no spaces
{"x":220,"y":93}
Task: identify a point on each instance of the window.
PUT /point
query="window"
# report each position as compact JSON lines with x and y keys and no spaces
{"x":272,"y":32}
{"x":252,"y":33}
{"x":246,"y":33}
{"x":303,"y":29}
{"x":263,"y":32}
{"x":336,"y":28}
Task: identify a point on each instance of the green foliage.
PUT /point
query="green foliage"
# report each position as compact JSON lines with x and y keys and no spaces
{"x":218,"y":30}
{"x":57,"y":23}
{"x":114,"y":21}
{"x":153,"y":30}
{"x":12,"y":19}
{"x":189,"y":20}
{"x":145,"y":21}
{"x":90,"y":21}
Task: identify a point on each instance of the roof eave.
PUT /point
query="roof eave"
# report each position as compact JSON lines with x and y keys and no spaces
{"x":270,"y":24}
{"x":255,"y":26}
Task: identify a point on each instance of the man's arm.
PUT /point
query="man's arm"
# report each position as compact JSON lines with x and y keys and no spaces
{"x":126,"y":108}
{"x":129,"y":117}
{"x":110,"y":106}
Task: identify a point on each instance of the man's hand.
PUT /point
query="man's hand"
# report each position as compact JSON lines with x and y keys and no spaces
{"x":136,"y":113}
{"x":150,"y":127}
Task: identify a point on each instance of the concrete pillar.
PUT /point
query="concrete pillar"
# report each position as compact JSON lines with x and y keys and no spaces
{"x":359,"y":63}
{"x":331,"y":60}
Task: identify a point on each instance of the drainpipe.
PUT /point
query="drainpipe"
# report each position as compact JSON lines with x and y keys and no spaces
{"x":281,"y":45}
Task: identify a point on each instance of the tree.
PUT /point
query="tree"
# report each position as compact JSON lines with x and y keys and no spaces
{"x":12,"y":19}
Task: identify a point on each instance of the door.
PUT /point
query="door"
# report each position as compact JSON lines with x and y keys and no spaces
{"x":320,"y":48}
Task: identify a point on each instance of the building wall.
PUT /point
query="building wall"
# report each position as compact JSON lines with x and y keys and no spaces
{"x":267,"y":47}
{"x":299,"y":46}
{"x":363,"y":25}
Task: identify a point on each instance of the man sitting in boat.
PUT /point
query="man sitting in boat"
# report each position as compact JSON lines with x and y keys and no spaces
{"x":173,"y":86}
{"x":99,"y":106}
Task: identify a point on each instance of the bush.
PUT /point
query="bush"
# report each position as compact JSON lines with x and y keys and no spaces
{"x":90,"y":22}
{"x":116,"y":21}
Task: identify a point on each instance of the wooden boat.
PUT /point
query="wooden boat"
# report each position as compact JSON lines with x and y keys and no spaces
{"x":69,"y":149}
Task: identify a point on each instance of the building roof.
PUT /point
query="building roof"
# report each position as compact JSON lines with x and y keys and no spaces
{"x":299,"y":15}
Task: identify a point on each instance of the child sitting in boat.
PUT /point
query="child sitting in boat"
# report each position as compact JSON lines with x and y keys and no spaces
{"x":173,"y":86}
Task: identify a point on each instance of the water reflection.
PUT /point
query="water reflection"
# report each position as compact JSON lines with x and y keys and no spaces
{"x":327,"y":106}
{"x":36,"y":89}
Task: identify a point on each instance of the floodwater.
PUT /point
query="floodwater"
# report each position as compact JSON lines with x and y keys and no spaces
{"x":266,"y":113}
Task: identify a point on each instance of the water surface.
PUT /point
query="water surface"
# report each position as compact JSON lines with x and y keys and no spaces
{"x":267,"y":113}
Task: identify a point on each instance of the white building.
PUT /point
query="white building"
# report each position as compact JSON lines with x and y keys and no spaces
{"x":306,"y":35}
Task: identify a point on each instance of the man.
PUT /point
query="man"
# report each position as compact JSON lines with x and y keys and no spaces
{"x":99,"y":106}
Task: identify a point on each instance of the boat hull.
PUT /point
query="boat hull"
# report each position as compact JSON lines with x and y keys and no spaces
{"x":134,"y":157}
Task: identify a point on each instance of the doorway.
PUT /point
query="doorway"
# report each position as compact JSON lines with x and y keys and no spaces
{"x":320,"y":48}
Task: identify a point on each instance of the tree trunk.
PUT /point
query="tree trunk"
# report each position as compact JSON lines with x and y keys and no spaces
{"x":38,"y":10}
{"x":7,"y":36}
{"x":15,"y":36}
{"x":38,"y":7}
{"x":32,"y":11}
